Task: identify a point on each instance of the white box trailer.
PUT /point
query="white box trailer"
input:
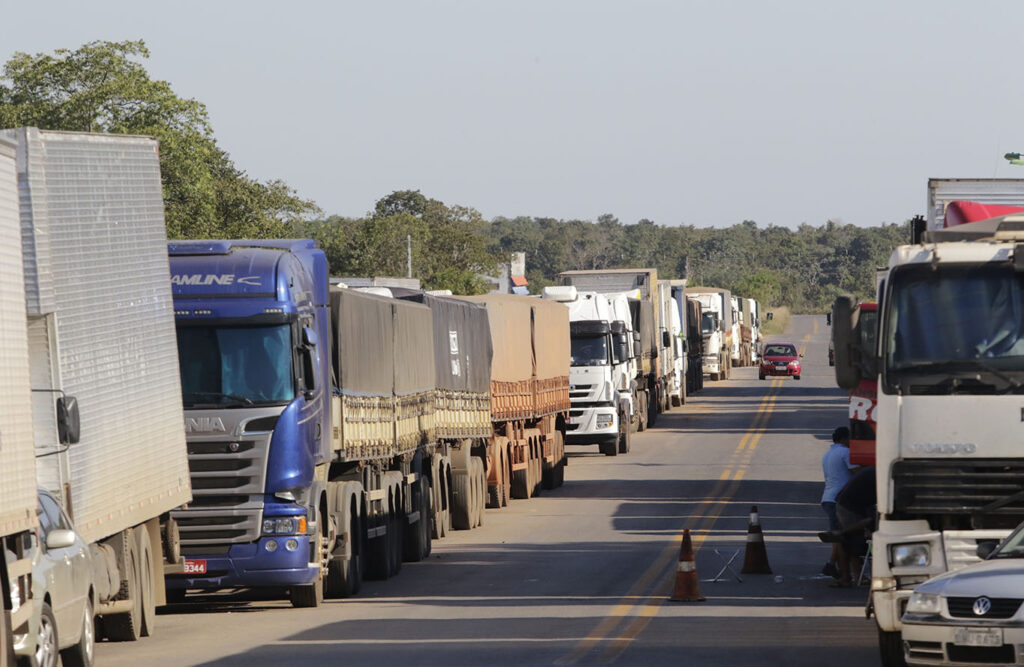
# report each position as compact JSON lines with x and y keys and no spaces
{"x":101,"y":329}
{"x":17,"y":456}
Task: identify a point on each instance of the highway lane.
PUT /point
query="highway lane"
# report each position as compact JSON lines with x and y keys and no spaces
{"x":581,"y":575}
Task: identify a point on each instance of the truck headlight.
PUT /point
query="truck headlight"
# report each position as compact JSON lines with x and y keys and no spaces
{"x":910,"y":555}
{"x":605,"y":420}
{"x":284,"y":525}
{"x":924,"y":603}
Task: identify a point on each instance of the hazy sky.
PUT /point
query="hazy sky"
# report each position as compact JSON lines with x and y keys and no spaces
{"x":703,"y":113}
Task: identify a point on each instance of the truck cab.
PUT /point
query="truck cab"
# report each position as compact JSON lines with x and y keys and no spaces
{"x":255,"y":388}
{"x":599,"y":374}
{"x":949,"y":365}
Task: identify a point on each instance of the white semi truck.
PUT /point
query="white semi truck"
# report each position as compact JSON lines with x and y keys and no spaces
{"x":716,"y":329}
{"x":949,"y":363}
{"x":97,"y":308}
{"x":672,"y":356}
{"x":599,"y":376}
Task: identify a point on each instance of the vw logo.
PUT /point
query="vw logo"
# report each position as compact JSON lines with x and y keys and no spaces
{"x":982,"y":606}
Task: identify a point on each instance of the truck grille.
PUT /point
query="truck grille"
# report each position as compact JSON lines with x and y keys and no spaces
{"x":228,"y":478}
{"x":945,"y":488}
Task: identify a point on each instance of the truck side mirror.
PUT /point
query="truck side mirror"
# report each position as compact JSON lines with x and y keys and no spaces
{"x":828,"y":319}
{"x":985,"y":549}
{"x":68,"y":423}
{"x":845,"y":345}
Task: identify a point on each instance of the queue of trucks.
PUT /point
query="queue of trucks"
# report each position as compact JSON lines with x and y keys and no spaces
{"x":933,"y":370}
{"x":217,"y":414}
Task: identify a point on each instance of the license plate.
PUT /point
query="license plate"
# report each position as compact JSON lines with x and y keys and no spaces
{"x":978,"y":637}
{"x":195,"y":567}
{"x":781,"y":364}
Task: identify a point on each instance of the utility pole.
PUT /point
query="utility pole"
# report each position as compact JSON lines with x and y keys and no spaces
{"x":408,"y":254}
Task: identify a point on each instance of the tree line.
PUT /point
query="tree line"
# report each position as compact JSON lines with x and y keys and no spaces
{"x":104,"y":87}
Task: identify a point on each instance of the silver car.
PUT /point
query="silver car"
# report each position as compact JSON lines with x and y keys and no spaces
{"x":972,"y":615}
{"x":61,"y":625}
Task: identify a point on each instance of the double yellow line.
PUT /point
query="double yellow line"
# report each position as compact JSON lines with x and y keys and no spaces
{"x":643,"y":611}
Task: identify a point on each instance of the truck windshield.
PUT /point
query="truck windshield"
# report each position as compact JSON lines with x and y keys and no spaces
{"x":236,"y":366}
{"x":590,"y":351}
{"x":708,"y":323}
{"x":956,"y":328}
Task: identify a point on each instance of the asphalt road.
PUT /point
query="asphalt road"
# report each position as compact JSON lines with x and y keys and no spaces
{"x":581,"y":575}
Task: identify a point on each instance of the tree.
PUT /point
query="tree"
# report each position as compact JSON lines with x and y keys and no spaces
{"x":100,"y":87}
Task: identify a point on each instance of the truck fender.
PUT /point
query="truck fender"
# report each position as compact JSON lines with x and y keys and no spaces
{"x":105,"y":575}
{"x":461,"y":454}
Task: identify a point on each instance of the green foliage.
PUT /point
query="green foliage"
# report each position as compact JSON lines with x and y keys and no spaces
{"x":803,"y":268}
{"x":449,"y":245}
{"x":100,"y":87}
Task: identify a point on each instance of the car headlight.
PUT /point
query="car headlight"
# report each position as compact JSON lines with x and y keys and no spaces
{"x":605,"y":420}
{"x":924,"y":603}
{"x":910,"y":555}
{"x":284,"y":525}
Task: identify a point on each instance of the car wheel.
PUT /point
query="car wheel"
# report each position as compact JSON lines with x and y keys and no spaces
{"x":796,"y":377}
{"x":760,"y":376}
{"x":47,"y":644}
{"x":890,"y":645}
{"x":81,"y":654}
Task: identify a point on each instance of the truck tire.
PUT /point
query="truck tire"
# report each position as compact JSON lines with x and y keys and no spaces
{"x":642,"y":410}
{"x":127,"y":627}
{"x":82,"y":654}
{"x":481,"y":485}
{"x":378,"y":552}
{"x":653,"y":407}
{"x":462,"y":500}
{"x":345,"y":575}
{"x":396,"y":529}
{"x":147,"y":590}
{"x":417,"y":535}
{"x":521,"y":483}
{"x":890,"y":644}
{"x":624,"y":442}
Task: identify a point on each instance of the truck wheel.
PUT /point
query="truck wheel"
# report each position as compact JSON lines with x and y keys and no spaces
{"x":82,"y":653}
{"x":609,"y":448}
{"x":462,"y":513}
{"x":653,"y":408}
{"x":521,"y":483}
{"x":476,"y":468}
{"x":624,"y":442}
{"x":890,"y":644}
{"x":416,"y":538}
{"x":345,"y":575}
{"x":146,"y":589}
{"x":378,"y":552}
{"x":127,"y":627}
{"x":642,"y":411}
{"x":397,"y":524}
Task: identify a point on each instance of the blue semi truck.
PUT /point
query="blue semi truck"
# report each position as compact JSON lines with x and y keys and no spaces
{"x":321,"y":446}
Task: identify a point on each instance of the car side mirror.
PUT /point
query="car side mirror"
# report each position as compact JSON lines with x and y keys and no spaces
{"x":985,"y":549}
{"x":60,"y":538}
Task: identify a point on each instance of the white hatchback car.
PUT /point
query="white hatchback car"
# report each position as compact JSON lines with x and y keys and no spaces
{"x":973,"y":615}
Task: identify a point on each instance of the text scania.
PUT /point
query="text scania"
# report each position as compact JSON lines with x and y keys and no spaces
{"x":198,"y":279}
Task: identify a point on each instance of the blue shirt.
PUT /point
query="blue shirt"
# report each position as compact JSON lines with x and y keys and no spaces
{"x":836,"y":466}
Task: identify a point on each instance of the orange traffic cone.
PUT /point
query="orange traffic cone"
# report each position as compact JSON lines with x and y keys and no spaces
{"x":755,"y":561}
{"x":686,"y":589}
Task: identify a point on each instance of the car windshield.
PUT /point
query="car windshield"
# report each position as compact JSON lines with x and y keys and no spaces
{"x":235,"y":366}
{"x":707,"y":323}
{"x":780,"y":351}
{"x":1012,"y":546}
{"x":590,"y":351}
{"x":955,"y":328}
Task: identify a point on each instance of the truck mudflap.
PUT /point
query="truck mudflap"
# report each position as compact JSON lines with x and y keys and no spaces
{"x":271,"y":562}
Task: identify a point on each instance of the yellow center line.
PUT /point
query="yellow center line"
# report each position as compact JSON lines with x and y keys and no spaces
{"x":719,"y":496}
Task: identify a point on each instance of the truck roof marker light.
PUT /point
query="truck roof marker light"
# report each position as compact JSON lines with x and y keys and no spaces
{"x":276,"y":311}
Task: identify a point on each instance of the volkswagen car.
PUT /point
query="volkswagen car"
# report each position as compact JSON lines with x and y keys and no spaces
{"x":972,"y":615}
{"x":779,"y":359}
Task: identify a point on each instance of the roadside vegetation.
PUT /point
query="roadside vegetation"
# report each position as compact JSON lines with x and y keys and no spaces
{"x":104,"y":87}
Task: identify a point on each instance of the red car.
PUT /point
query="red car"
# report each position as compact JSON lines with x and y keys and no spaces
{"x":780,"y":359}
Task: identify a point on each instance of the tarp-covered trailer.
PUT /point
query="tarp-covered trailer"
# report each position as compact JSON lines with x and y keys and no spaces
{"x":529,"y":392}
{"x":462,"y":414}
